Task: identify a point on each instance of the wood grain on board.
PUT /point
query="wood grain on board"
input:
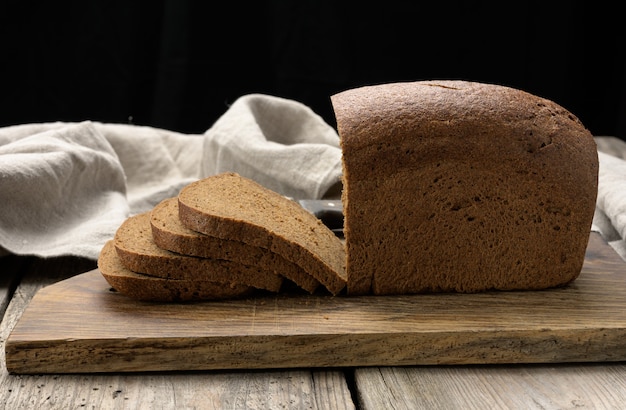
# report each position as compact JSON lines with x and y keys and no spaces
{"x":94,"y":329}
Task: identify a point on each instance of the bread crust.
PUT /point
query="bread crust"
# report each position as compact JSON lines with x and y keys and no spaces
{"x":153,"y":289}
{"x":462,"y":186}
{"x":232,"y":207}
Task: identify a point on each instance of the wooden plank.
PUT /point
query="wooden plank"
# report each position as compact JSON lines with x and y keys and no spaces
{"x":96,"y":330}
{"x":566,"y":386}
{"x":294,"y":389}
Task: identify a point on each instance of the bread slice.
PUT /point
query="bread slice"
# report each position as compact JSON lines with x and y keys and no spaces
{"x":138,"y":253}
{"x":462,"y":186}
{"x":170,"y":234}
{"x":232,"y":207}
{"x":153,"y":289}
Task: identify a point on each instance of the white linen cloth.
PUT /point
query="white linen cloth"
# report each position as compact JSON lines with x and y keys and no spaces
{"x":66,"y":187}
{"x":610,"y":215}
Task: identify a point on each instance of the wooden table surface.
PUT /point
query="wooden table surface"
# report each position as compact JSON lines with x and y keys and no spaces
{"x":539,"y":386}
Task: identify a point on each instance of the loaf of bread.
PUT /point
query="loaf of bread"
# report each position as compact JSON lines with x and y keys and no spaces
{"x":228,"y":206}
{"x":462,"y":186}
{"x":154,"y":289}
{"x":138,"y":252}
{"x":170,"y":234}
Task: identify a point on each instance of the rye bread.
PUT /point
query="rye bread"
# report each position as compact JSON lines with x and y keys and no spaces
{"x":153,"y":289}
{"x":232,"y":207}
{"x":138,"y":253}
{"x":170,"y":234}
{"x":462,"y":186}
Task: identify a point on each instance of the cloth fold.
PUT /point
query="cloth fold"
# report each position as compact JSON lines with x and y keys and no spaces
{"x":66,"y":187}
{"x":51,"y":180}
{"x":296,"y":151}
{"x":610,"y":216}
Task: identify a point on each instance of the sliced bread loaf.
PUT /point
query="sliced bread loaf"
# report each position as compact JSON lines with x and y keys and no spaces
{"x":462,"y":186}
{"x":138,"y":253}
{"x":153,"y":289}
{"x":232,"y":207}
{"x":170,"y":234}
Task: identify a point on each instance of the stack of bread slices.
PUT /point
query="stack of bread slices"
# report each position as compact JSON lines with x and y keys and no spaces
{"x":223,"y":236}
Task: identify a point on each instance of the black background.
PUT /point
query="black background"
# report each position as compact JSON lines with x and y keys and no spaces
{"x":178,"y":64}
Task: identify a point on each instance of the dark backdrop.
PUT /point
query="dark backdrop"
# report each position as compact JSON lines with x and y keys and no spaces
{"x":177,"y":64}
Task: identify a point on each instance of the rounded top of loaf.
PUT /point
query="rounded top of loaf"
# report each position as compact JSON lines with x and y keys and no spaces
{"x":456,"y":185}
{"x":459,"y":107}
{"x":406,"y":124}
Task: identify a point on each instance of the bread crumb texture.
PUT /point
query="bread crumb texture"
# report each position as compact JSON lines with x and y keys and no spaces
{"x":464,"y":187}
{"x":169,"y":233}
{"x":231,"y":207}
{"x":153,"y":289}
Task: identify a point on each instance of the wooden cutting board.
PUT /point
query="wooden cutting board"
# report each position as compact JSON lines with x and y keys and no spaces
{"x":80,"y":325}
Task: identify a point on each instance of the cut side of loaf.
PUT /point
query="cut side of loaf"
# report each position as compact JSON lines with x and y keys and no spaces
{"x":138,"y":253}
{"x":462,"y":186}
{"x":232,"y":207}
{"x":170,"y":234}
{"x":153,"y":289}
